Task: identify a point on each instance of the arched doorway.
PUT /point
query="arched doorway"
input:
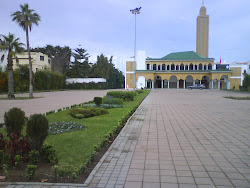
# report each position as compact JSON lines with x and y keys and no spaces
{"x":165,"y":83}
{"x":141,"y":82}
{"x":189,"y":81}
{"x":181,"y":83}
{"x":157,"y":83}
{"x":173,"y":82}
{"x":224,"y":82}
{"x":149,"y":83}
{"x":205,"y":81}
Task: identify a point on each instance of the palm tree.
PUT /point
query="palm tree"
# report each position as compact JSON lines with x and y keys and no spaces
{"x":25,"y":19}
{"x":12,"y":46}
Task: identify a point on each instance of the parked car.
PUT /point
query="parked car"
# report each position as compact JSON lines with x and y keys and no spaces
{"x":196,"y":86}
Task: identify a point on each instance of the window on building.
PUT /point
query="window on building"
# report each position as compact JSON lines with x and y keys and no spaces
{"x":209,"y":66}
{"x":182,"y":67}
{"x":245,"y":71}
{"x":49,"y":61}
{"x":163,"y":67}
{"x":177,"y":67}
{"x":172,"y":67}
{"x":154,"y":67}
{"x":41,"y":58}
{"x":168,"y":67}
{"x":148,"y":66}
{"x":191,"y":67}
{"x":159,"y":67}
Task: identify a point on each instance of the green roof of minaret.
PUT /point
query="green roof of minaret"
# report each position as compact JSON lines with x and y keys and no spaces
{"x":190,"y":55}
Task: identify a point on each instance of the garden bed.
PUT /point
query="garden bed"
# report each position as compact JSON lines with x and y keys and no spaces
{"x":79,"y":150}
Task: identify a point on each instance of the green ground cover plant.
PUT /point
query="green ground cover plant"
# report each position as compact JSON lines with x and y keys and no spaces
{"x":75,"y":149}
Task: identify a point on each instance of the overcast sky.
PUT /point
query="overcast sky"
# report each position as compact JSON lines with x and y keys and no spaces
{"x":107,"y":26}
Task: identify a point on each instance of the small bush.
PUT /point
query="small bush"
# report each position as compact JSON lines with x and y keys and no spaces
{"x":18,"y":161}
{"x":98,"y":101}
{"x":107,"y":100}
{"x":37,"y":130}
{"x":30,"y":172}
{"x":14,"y":120}
{"x":85,"y":113}
{"x":48,"y":154}
{"x":34,"y":157}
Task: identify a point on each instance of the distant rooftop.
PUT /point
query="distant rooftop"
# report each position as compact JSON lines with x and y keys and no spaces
{"x":189,"y":55}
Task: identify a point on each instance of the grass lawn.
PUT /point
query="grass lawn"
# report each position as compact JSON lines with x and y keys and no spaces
{"x":73,"y":148}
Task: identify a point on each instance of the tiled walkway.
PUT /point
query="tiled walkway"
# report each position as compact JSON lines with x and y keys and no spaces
{"x":178,"y":138}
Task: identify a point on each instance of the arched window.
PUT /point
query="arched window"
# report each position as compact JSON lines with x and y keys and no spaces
{"x":163,"y":67}
{"x":195,"y":67}
{"x":177,"y":67}
{"x":200,"y":66}
{"x":159,"y":67}
{"x":168,"y":67}
{"x":209,"y":66}
{"x":191,"y":67}
{"x":154,"y":66}
{"x":205,"y":67}
{"x":182,"y":67}
{"x":186,"y":67}
{"x":172,"y":67}
{"x":148,"y":66}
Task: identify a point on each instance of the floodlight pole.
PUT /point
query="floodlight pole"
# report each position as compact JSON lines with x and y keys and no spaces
{"x":135,"y":11}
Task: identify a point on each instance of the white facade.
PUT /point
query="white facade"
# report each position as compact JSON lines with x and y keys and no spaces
{"x":39,"y":60}
{"x":84,"y":80}
{"x":3,"y":63}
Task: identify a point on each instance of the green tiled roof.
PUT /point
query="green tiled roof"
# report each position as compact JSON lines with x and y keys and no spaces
{"x":190,"y":55}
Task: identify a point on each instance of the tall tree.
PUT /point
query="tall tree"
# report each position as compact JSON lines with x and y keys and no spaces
{"x":13,"y":46}
{"x":26,"y":18}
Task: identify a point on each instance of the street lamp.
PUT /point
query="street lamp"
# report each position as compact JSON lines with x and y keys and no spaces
{"x":135,"y":11}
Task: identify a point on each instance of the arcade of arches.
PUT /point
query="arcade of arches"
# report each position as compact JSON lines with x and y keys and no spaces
{"x":222,"y":82}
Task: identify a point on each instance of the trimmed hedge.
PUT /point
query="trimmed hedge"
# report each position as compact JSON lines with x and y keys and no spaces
{"x":125,"y":95}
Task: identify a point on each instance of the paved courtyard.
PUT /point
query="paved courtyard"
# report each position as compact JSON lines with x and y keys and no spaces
{"x":178,"y":138}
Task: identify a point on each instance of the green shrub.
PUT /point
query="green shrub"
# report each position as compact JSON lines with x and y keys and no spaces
{"x":5,"y":169}
{"x":34,"y":157}
{"x":48,"y":154}
{"x":30,"y":171}
{"x":14,"y":120}
{"x":98,"y":101}
{"x":18,"y":161}
{"x":125,"y":95}
{"x":107,"y":100}
{"x":37,"y":130}
{"x":85,"y":113}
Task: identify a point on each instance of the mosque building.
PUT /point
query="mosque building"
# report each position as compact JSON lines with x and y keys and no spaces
{"x":181,"y":69}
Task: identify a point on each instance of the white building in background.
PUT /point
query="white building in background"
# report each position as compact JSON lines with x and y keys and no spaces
{"x":39,"y":60}
{"x":3,"y":64}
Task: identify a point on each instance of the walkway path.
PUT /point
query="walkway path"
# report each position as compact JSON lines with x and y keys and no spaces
{"x":47,"y":101}
{"x":178,"y":138}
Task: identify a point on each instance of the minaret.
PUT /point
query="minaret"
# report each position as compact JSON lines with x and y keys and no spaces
{"x":202,"y":33}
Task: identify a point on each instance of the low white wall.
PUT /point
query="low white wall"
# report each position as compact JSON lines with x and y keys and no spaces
{"x":84,"y":80}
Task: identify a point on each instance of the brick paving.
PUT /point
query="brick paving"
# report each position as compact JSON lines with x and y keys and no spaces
{"x":178,"y":138}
